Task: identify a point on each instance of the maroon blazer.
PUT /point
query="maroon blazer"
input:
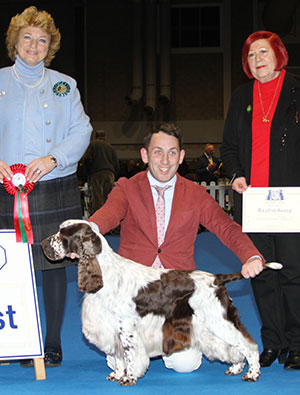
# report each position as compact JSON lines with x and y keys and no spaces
{"x":130,"y":204}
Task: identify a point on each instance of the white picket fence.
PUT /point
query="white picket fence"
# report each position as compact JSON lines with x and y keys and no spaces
{"x":85,"y":200}
{"x":222,"y":193}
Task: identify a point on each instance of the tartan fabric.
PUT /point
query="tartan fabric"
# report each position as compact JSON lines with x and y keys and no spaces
{"x":50,"y":203}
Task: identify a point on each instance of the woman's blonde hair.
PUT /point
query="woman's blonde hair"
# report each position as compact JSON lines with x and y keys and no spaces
{"x":31,"y":16}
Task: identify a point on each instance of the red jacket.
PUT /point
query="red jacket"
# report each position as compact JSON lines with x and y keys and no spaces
{"x":131,"y":204}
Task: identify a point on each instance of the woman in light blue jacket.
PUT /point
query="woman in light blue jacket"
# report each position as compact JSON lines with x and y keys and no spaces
{"x":44,"y":127}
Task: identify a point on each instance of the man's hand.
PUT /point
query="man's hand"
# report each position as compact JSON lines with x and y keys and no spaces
{"x":252,"y":267}
{"x":217,"y":173}
{"x":211,"y":166}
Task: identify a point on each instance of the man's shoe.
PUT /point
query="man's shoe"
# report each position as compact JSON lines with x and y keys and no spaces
{"x":293,"y":361}
{"x":53,"y":357}
{"x":26,"y":363}
{"x":267,"y":357}
{"x":283,"y":355}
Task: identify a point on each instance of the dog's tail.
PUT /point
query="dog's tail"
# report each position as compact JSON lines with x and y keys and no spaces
{"x":222,"y":279}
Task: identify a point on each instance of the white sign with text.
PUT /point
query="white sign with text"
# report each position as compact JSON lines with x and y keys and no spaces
{"x":20,"y":329}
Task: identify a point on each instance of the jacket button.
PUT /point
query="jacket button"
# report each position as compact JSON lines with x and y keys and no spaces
{"x":159,"y":250}
{"x":48,"y":122}
{"x":48,"y":140}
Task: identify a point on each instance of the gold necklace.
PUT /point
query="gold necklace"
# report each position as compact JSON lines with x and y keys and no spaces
{"x":265,"y":115}
{"x":29,"y":86}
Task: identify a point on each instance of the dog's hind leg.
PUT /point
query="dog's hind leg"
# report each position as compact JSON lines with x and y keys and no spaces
{"x":253,"y":364}
{"x":242,"y":343}
{"x":223,"y":341}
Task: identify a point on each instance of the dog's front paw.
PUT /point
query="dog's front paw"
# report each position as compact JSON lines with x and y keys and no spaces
{"x":127,"y":380}
{"x":113,"y":376}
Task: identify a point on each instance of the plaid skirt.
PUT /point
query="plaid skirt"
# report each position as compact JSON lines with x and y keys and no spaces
{"x":50,"y":203}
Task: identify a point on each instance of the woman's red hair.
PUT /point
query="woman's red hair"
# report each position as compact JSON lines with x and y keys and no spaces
{"x":276,"y":44}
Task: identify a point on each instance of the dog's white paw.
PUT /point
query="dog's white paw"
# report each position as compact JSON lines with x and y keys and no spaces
{"x":113,"y":376}
{"x":235,"y":369}
{"x":127,"y":380}
{"x":251,"y":376}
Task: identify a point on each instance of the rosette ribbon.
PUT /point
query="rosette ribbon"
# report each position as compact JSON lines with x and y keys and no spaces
{"x":19,"y":187}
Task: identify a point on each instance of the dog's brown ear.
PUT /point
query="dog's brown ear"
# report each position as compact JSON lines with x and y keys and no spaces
{"x":91,"y":242}
{"x":89,"y":276}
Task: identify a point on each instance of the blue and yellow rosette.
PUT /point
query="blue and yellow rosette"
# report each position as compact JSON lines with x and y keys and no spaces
{"x":19,"y":187}
{"x":61,"y":88}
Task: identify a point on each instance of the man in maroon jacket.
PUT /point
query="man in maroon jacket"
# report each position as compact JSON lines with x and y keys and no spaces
{"x":132,"y":201}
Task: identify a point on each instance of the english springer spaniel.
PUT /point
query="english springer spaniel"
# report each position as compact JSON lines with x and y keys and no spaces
{"x":133,"y":312}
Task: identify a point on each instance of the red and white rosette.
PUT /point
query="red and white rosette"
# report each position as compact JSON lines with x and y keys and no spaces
{"x":20,"y":187}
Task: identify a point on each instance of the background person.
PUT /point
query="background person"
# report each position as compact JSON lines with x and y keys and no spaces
{"x":102,"y":168}
{"x":132,"y":203}
{"x":261,"y":148}
{"x":208,"y":166}
{"x":43,"y":125}
{"x":129,"y":168}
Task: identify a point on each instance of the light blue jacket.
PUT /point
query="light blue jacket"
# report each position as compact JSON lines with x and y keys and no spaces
{"x":43,"y":120}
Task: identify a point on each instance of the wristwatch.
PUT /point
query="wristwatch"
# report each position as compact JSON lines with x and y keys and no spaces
{"x":54,"y":160}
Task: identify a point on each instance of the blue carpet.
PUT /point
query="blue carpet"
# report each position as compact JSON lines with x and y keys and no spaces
{"x":84,"y":368}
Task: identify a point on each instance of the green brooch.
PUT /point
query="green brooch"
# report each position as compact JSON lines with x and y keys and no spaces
{"x":61,"y":88}
{"x":249,"y":108}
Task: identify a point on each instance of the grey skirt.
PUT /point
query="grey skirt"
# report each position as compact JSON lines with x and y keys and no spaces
{"x":50,"y":203}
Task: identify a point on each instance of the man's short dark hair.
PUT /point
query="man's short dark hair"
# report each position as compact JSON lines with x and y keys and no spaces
{"x":166,"y":127}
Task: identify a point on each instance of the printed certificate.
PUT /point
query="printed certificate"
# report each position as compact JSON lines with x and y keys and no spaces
{"x":272,"y":210}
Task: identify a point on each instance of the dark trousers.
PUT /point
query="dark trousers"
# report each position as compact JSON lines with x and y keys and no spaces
{"x":101,"y":184}
{"x":54,"y":292}
{"x":277,"y":293}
